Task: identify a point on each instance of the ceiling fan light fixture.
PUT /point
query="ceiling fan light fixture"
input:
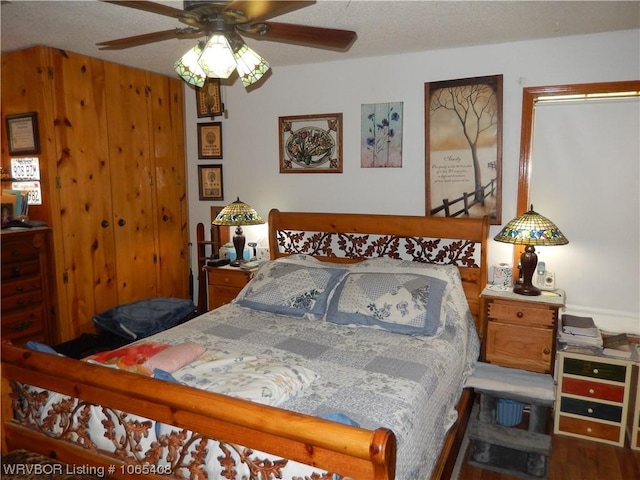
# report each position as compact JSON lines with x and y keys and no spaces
{"x":251,"y":66}
{"x":188,"y":68}
{"x":217,"y":59}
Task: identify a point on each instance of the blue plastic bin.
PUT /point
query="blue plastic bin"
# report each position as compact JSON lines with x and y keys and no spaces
{"x":509,"y":412}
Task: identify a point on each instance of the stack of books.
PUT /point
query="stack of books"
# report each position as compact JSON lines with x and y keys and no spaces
{"x":617,"y":346}
{"x":579,"y":332}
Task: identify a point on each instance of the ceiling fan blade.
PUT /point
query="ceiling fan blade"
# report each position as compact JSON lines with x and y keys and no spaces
{"x":257,"y":10}
{"x":301,"y":34}
{"x":148,"y":7}
{"x":138,"y":40}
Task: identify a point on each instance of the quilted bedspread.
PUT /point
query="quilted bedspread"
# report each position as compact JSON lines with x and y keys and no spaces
{"x":409,"y":384}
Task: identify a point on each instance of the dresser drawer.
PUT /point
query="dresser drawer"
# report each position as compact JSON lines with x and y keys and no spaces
{"x":600,"y":431}
{"x":588,"y":408}
{"x":18,"y":250}
{"x":522,"y":314}
{"x":29,"y":299}
{"x":20,"y":286}
{"x":585,"y":388}
{"x":20,"y":269}
{"x":589,"y":368}
{"x":23,"y":323}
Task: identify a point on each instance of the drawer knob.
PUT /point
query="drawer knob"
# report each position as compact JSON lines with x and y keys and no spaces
{"x":519,"y":314}
{"x":588,"y":429}
{"x":20,"y":289}
{"x":590,"y":410}
{"x":546,"y":351}
{"x":16,"y":271}
{"x":591,"y":391}
{"x":595,"y":370}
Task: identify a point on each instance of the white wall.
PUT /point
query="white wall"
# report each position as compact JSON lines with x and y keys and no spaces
{"x":250,"y":128}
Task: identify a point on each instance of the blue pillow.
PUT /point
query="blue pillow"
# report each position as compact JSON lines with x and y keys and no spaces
{"x":407,"y":302}
{"x":298,"y":287}
{"x":40,"y":347}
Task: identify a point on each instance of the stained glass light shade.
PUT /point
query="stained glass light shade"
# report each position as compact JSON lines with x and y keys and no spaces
{"x":217,"y":59}
{"x":188,"y":68}
{"x":251,"y":66}
{"x":238,"y":213}
{"x":530,"y":229}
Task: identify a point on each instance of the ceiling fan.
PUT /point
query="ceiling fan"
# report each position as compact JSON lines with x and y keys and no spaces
{"x":223,"y":23}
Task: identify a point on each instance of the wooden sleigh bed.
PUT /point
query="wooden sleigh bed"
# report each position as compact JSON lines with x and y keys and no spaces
{"x":350,"y":451}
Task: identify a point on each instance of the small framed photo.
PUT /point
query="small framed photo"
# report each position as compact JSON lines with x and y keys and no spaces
{"x":210,"y":140}
{"x":311,"y":143}
{"x":210,"y":182}
{"x":22,"y":134}
{"x":208,"y":99}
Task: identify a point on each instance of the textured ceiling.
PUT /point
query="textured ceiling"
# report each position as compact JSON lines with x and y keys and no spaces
{"x":383,"y":27}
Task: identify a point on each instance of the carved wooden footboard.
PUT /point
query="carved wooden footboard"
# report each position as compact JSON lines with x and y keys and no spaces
{"x":349,"y":451}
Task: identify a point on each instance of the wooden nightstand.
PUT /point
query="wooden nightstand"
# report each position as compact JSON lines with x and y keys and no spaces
{"x":225,"y":283}
{"x":520,"y":330}
{"x":594,"y":397}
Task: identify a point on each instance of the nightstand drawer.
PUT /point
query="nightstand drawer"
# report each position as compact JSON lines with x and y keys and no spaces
{"x":588,"y":368}
{"x":587,"y":428}
{"x":520,"y":313}
{"x":228,"y":278}
{"x":585,"y":388}
{"x":587,"y":408}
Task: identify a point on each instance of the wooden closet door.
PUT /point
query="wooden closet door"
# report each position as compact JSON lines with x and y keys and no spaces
{"x":170,"y":199}
{"x":87,"y":276}
{"x":127,"y":95}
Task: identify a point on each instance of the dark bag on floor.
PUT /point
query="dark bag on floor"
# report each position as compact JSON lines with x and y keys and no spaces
{"x":145,"y":317}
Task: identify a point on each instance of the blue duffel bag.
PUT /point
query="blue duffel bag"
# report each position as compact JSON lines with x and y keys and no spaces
{"x":145,"y":317}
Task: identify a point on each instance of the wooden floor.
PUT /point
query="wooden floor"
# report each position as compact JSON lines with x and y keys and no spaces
{"x":575,"y":459}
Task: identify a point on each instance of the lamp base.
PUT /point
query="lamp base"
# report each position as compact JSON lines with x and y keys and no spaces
{"x":528,"y":262}
{"x":238,"y":243}
{"x":529,"y":290}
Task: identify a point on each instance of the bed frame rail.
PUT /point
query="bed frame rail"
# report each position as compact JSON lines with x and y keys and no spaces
{"x":353,"y":452}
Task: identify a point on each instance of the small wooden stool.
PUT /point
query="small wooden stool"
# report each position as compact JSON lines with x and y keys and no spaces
{"x":509,"y":450}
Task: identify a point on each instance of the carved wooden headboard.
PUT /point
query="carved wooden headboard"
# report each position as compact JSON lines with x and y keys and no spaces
{"x":349,"y":238}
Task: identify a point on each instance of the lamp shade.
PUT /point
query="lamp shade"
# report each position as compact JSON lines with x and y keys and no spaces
{"x":238,"y":213}
{"x":217,"y":59}
{"x":188,"y":68}
{"x":531,"y":228}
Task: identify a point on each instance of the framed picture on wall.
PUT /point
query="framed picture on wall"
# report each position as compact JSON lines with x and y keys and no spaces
{"x":210,"y":140}
{"x":311,"y":143}
{"x":463,"y":148}
{"x":22,"y":134}
{"x":210,"y":184}
{"x":208,"y":98}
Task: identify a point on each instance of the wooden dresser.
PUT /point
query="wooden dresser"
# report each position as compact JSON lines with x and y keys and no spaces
{"x":594,"y":398}
{"x":520,"y":330}
{"x":27,"y":289}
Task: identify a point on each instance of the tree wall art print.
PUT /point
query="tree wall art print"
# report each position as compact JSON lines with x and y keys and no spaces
{"x":463,"y":148}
